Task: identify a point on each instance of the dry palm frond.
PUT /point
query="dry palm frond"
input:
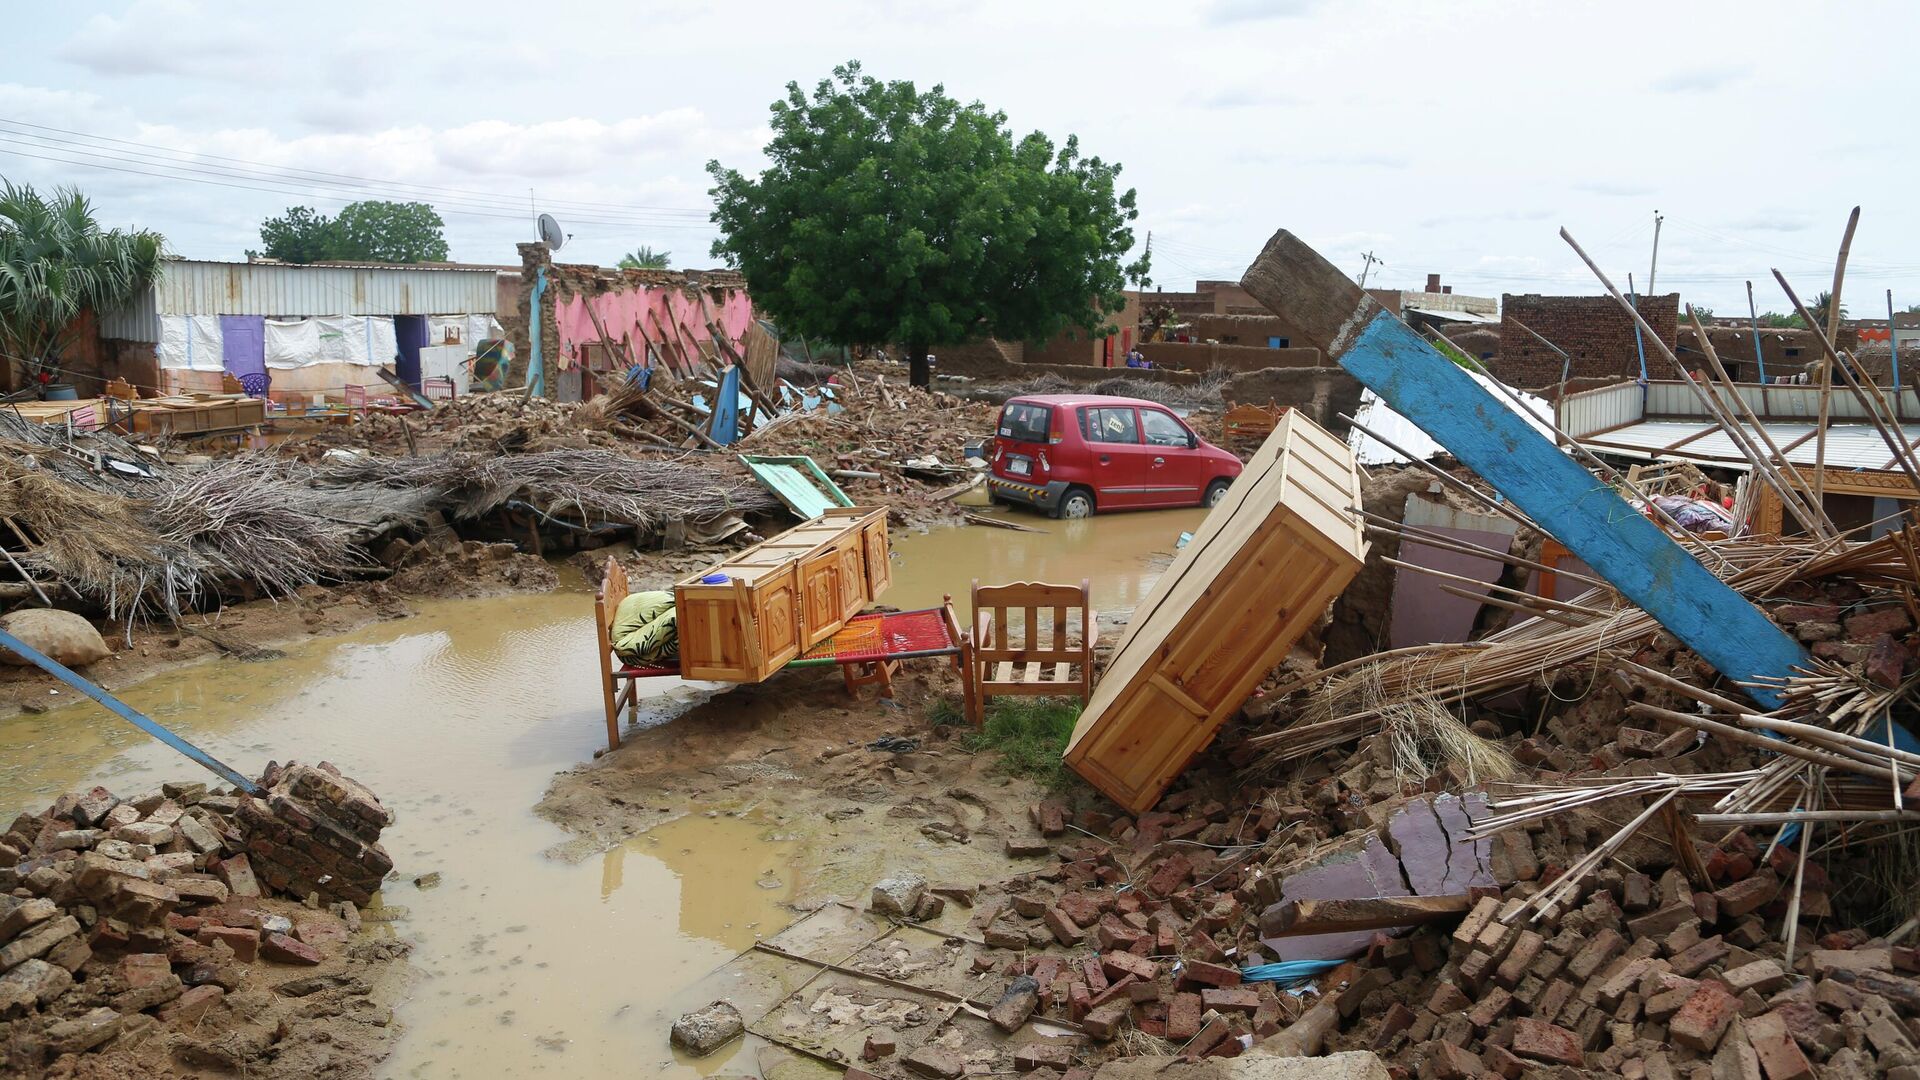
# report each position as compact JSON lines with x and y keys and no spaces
{"x":597,"y":485}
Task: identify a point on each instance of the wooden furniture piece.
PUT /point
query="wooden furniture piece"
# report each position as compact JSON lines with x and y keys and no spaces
{"x":1249,"y":421}
{"x":437,"y":388}
{"x":616,"y":677}
{"x":1260,"y":571}
{"x":783,"y":596}
{"x":1052,"y":656}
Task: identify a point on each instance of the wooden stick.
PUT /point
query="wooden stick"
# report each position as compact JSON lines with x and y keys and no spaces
{"x":1748,"y":738}
{"x":1826,"y":365}
{"x":1816,"y":523}
{"x":1297,"y":917}
{"x":1785,"y":817}
{"x":1896,"y":443}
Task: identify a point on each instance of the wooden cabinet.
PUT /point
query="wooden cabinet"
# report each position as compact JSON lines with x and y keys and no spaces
{"x":781,"y":597}
{"x":1259,"y":572}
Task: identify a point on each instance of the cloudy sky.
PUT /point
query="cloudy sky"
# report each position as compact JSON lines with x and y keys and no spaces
{"x":1454,"y":138}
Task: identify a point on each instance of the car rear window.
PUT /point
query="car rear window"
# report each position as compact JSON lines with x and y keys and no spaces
{"x":1026,"y":422}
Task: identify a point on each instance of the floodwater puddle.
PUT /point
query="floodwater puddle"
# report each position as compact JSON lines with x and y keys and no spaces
{"x":459,"y":716}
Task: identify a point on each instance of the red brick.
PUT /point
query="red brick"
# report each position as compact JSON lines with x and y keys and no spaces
{"x":1743,"y":897}
{"x":1704,"y":1018}
{"x":1172,"y":873}
{"x":1886,"y":620}
{"x":1450,"y":1062}
{"x":285,"y":950}
{"x":1231,"y":999}
{"x":1183,"y":1017}
{"x":1204,"y":974}
{"x":244,"y":943}
{"x":1104,"y":1022}
{"x":1780,"y":1057}
{"x":1541,"y":1041}
{"x":189,"y":1007}
{"x":1064,"y":930}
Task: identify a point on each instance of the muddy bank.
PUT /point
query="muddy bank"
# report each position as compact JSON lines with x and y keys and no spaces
{"x":261,"y":629}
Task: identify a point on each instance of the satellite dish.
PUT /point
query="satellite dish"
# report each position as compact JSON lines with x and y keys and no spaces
{"x":550,"y":233}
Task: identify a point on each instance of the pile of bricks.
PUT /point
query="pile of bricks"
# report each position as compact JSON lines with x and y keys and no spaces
{"x":316,"y":832}
{"x":120,"y":916}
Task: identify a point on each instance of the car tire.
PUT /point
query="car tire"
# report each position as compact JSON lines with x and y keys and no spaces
{"x":1215,"y":492}
{"x":1076,"y":503}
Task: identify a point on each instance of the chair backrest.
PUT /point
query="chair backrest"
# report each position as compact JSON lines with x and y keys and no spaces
{"x":356,"y":396}
{"x":1060,"y":637}
{"x":606,"y":601}
{"x":437,"y":388}
{"x":1241,"y":420}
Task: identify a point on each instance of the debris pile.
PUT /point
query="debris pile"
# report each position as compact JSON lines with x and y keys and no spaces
{"x":119,"y":917}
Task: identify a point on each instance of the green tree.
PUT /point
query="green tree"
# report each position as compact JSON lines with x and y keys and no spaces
{"x":1822,"y":305}
{"x":57,"y":262}
{"x":301,"y":235}
{"x":645,"y":258}
{"x":367,"y":231}
{"x":390,"y":232}
{"x":1778,"y":321}
{"x":889,"y":214}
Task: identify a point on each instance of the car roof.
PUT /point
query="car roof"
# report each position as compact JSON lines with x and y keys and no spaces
{"x":1081,"y":399}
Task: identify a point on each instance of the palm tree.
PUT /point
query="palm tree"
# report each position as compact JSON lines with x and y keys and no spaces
{"x":645,"y":258}
{"x":56,"y":263}
{"x":1821,"y":307}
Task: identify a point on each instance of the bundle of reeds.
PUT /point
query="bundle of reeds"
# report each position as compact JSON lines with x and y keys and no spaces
{"x":593,"y":485}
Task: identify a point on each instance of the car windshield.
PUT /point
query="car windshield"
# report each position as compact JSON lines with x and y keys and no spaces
{"x":1025,"y":422}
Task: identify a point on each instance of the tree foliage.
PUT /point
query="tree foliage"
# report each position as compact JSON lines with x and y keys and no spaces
{"x":57,"y":262}
{"x":368,"y":231}
{"x":645,"y":258}
{"x":888,"y":214}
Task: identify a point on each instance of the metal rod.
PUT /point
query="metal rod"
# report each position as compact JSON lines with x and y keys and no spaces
{"x":128,"y":713}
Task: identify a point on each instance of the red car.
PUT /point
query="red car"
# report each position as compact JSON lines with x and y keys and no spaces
{"x":1073,"y":454}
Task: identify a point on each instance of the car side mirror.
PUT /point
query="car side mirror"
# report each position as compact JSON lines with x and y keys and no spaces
{"x":1193,"y":441}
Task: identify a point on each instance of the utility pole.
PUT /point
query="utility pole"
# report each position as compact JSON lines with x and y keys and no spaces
{"x":1753,"y":317}
{"x":1370,"y":263}
{"x":1655,"y":263}
{"x":1893,"y":348}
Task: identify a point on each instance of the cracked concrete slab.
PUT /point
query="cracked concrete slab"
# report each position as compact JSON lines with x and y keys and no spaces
{"x":1423,"y":850}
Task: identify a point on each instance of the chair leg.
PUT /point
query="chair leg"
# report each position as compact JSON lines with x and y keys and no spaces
{"x":613,"y":722}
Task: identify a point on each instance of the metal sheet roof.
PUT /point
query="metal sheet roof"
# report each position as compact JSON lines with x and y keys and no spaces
{"x":1377,"y":415}
{"x":196,"y":287}
{"x":1450,"y":315}
{"x":1849,"y":446}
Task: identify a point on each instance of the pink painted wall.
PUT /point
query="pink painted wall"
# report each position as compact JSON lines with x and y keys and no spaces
{"x":625,"y":315}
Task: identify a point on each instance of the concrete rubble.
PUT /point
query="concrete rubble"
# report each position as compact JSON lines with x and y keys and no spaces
{"x":121,"y":918}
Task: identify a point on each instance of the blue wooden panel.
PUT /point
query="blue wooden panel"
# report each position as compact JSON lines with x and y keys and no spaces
{"x":1629,"y":551}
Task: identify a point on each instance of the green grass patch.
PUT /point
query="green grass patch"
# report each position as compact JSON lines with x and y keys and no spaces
{"x":946,"y":711}
{"x":1030,"y":734}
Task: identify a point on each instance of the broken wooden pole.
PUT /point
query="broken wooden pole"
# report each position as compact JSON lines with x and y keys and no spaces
{"x":1296,"y":917}
{"x":1632,"y":553}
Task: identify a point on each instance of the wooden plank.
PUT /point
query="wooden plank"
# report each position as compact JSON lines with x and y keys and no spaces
{"x":1629,"y":551}
{"x":1298,"y":917}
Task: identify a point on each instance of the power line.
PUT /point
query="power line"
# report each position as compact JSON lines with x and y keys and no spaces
{"x":314,"y":173}
{"x":328,"y":197}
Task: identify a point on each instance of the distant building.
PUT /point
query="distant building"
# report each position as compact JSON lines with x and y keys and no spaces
{"x":1438,"y":305}
{"x":283,"y":327}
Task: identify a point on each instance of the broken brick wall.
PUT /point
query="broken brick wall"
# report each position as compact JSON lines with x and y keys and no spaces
{"x":1591,"y":329}
{"x":1198,"y":356}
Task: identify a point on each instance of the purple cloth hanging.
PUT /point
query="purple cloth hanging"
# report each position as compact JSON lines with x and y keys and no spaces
{"x":243,"y":345}
{"x":243,"y":351}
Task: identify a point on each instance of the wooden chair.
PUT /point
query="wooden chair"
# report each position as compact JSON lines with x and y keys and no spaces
{"x":616,"y":676}
{"x":356,"y":398}
{"x":437,"y":388}
{"x":1250,"y":421}
{"x":1044,"y":658}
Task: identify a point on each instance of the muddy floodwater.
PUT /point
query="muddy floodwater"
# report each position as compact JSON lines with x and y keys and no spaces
{"x":459,"y":717}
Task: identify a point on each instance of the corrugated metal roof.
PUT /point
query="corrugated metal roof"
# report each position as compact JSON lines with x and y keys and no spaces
{"x":1450,"y":316}
{"x":1849,"y":446}
{"x":196,"y":287}
{"x":1379,"y":416}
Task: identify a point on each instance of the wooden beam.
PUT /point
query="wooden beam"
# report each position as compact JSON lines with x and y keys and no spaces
{"x":1297,"y":917}
{"x":1630,"y":552}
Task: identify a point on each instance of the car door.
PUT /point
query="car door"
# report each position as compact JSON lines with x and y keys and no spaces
{"x":1119,"y":465}
{"x":1175,"y":470}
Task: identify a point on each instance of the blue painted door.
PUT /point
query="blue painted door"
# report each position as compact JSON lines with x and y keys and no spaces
{"x":410,"y":334}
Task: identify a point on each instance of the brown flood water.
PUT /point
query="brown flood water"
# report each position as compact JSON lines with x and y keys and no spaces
{"x":459,"y":717}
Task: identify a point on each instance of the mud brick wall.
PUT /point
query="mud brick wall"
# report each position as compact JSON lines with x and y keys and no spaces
{"x":316,"y":831}
{"x":1591,"y":329}
{"x":1191,"y":356}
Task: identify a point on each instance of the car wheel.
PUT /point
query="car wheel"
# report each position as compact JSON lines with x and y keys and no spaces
{"x":1215,"y":492}
{"x":1075,"y":504}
